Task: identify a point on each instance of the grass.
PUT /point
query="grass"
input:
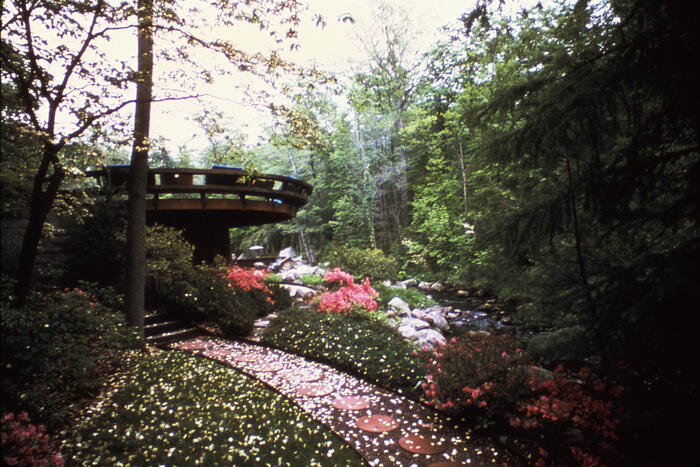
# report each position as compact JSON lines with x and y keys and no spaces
{"x":180,"y":409}
{"x":352,"y":342}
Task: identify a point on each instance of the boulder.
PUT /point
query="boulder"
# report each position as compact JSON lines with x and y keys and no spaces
{"x":407,"y":332}
{"x":416,"y":324}
{"x":419,"y":314}
{"x":436,"y":319}
{"x":453,"y":314}
{"x":437,"y":287}
{"x":287,"y":252}
{"x":400,"y":306}
{"x":430,"y":338}
{"x":408,"y":283}
{"x":424,"y":286}
{"x":386,"y":283}
{"x":297,"y":291}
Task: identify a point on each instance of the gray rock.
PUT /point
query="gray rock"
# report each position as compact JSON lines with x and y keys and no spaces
{"x":436,"y":319}
{"x":430,"y":338}
{"x":419,"y":314}
{"x":297,"y":291}
{"x":391,"y":313}
{"x":407,"y":332}
{"x":261,"y":323}
{"x":400,"y":306}
{"x":409,"y":283}
{"x":287,"y":252}
{"x":386,"y":283}
{"x":437,"y":287}
{"x":416,"y":324}
{"x":424,"y":286}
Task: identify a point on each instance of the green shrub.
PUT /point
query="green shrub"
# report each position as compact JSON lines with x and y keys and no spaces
{"x":363,"y":262}
{"x":180,"y":409}
{"x":56,"y":351}
{"x":312,"y":280}
{"x":273,"y":279}
{"x":479,"y":377}
{"x":96,"y":244}
{"x":568,"y":344}
{"x":414,"y":297}
{"x":351,"y":342}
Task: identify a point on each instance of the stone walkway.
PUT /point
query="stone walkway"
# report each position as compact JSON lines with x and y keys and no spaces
{"x":385,"y":428}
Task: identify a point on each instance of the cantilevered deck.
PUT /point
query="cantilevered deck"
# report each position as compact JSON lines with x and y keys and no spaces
{"x":205,"y":203}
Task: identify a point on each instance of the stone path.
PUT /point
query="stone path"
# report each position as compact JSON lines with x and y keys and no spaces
{"x":385,"y":428}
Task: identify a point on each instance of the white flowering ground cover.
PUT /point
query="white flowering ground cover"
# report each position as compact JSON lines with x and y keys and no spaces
{"x":316,"y":387}
{"x":180,"y":409}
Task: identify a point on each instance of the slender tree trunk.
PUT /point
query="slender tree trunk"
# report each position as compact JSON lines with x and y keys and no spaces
{"x":40,"y":204}
{"x":303,"y":239}
{"x":138,"y":173}
{"x":367,"y":196}
{"x":464,"y":180}
{"x":578,"y":243}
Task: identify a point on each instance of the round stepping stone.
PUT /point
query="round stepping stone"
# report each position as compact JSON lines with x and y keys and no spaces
{"x":268,"y":367}
{"x":315,"y":390}
{"x":247,"y":357}
{"x":351,"y":403}
{"x":377,"y":423}
{"x":421,"y":445}
{"x":304,"y":377}
{"x":195,"y":345}
{"x":214,"y":353}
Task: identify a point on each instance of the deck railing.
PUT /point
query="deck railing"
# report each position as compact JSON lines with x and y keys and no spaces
{"x":225,"y":181}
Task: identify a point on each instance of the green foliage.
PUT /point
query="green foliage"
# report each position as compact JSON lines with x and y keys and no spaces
{"x":201,"y":412}
{"x":367,"y":262}
{"x":564,"y":345}
{"x":95,"y":245}
{"x":352,"y":342}
{"x":477,"y":377}
{"x":414,"y":297}
{"x":312,"y":279}
{"x":57,"y":350}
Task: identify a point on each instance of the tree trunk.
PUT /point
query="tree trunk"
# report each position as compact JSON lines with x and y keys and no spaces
{"x":367,"y":196}
{"x":40,"y":205}
{"x":303,"y":240}
{"x":138,"y":173}
{"x":464,"y":180}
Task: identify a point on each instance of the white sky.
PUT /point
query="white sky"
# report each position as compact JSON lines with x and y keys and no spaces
{"x":332,"y":48}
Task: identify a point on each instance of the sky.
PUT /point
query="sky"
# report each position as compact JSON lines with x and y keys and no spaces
{"x":333,"y":48}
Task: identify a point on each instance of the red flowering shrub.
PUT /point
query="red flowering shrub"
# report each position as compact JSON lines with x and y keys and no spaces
{"x":578,"y":414}
{"x":482,"y":376}
{"x":24,"y":444}
{"x":348,"y":295}
{"x":249,"y":279}
{"x":568,"y":418}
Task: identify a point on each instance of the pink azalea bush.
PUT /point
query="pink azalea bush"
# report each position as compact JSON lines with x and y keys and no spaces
{"x":348,"y":295}
{"x":25,"y":444}
{"x":249,"y":280}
